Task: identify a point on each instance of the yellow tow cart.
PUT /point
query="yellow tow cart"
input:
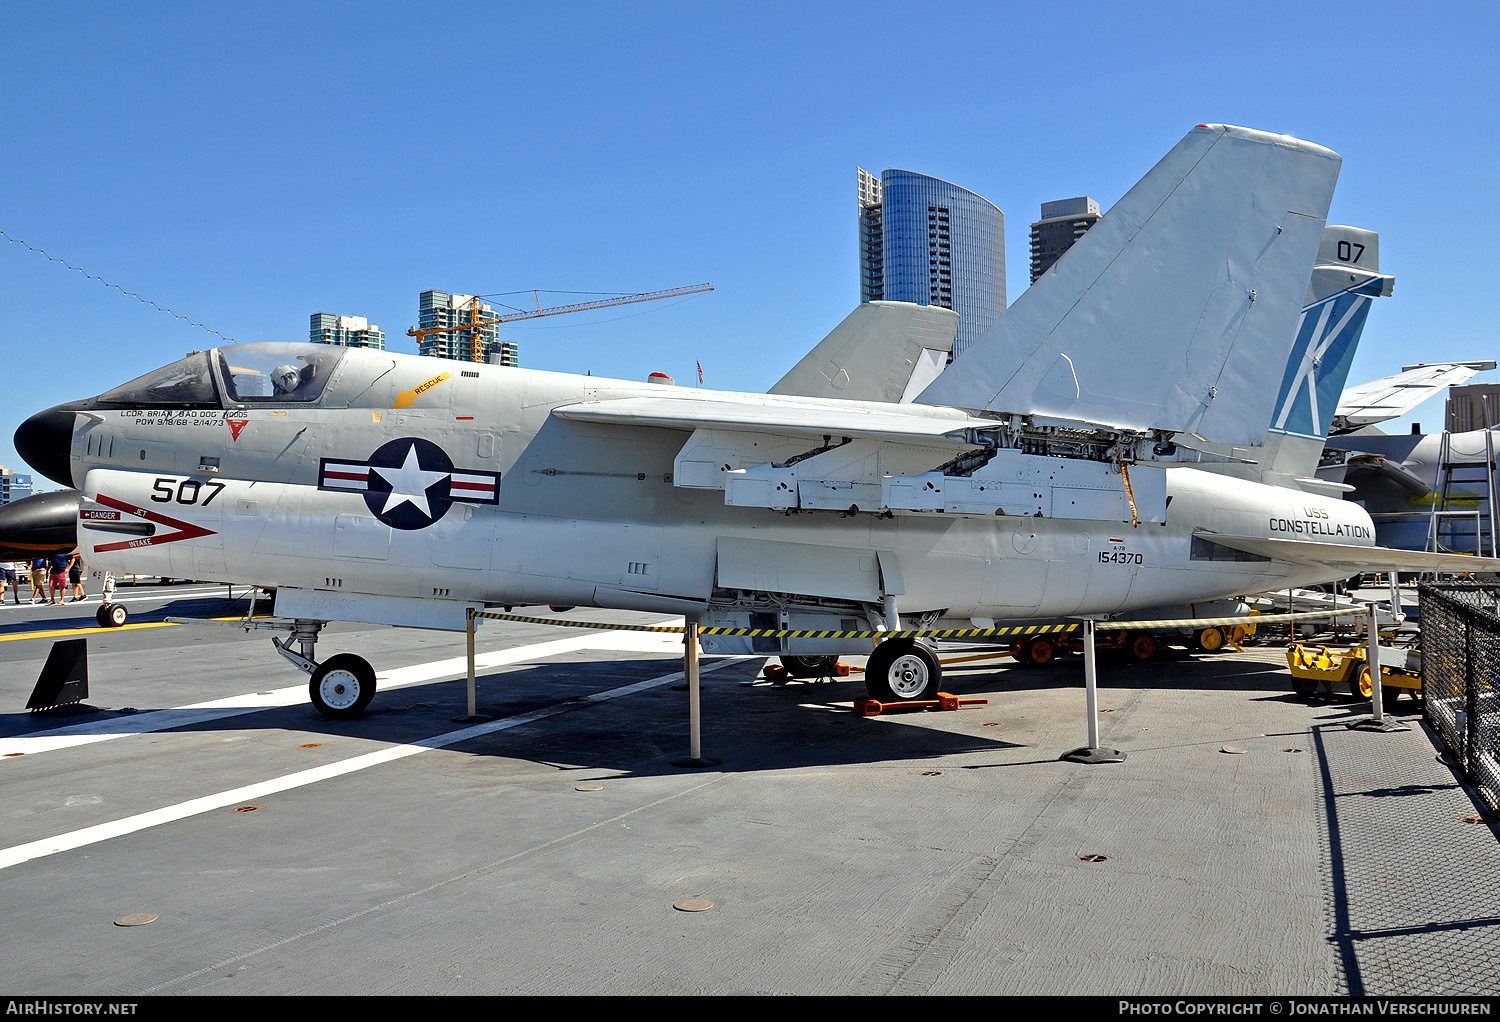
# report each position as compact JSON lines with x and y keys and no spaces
{"x":1325,"y":672}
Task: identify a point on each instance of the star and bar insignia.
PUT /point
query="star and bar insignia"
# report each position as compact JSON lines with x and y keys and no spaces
{"x":409,"y":483}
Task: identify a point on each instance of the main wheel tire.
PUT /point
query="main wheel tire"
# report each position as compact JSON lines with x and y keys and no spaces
{"x":1039,"y":651}
{"x":111,"y":615}
{"x":1307,"y":688}
{"x":1210,"y":640}
{"x":1143,"y":647}
{"x":810,"y":666}
{"x":902,"y":670}
{"x":1363,"y":686}
{"x":342,"y":686}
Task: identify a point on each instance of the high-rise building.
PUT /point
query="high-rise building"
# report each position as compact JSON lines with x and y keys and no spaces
{"x":13,"y":485}
{"x":349,"y":331}
{"x":930,"y":242}
{"x":1063,"y":222}
{"x":439,"y":309}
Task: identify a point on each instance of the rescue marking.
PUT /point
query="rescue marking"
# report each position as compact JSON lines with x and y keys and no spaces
{"x":407,"y":398}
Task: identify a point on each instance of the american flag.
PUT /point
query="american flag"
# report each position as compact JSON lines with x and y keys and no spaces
{"x":700,"y":372}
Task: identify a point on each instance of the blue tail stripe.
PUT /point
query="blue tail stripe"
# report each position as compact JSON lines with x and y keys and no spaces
{"x":1321,"y":357}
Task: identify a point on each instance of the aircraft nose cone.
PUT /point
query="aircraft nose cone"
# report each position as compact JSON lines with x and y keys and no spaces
{"x":46,"y":440}
{"x":38,"y":526}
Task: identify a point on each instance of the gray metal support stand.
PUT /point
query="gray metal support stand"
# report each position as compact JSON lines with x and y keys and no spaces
{"x":695,"y":757}
{"x":473,"y":716}
{"x":1092,"y":753}
{"x":1377,"y":722}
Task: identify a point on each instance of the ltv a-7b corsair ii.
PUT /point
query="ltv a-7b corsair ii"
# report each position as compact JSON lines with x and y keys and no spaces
{"x":1047,"y":472}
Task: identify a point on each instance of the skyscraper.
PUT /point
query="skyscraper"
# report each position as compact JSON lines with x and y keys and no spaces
{"x":930,"y":242}
{"x":439,"y":309}
{"x":1063,"y":222}
{"x":350,"y":331}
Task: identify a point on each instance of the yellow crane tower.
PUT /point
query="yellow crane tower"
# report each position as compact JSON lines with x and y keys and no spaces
{"x":477,"y":320}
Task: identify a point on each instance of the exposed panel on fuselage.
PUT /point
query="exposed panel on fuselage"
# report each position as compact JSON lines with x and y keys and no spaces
{"x":803,"y":569}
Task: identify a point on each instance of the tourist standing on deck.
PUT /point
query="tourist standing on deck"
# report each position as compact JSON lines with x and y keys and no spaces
{"x":57,"y":576}
{"x":75,"y":578}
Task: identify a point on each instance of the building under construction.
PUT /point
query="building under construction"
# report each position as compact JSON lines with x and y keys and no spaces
{"x":461,"y":327}
{"x":464,"y":328}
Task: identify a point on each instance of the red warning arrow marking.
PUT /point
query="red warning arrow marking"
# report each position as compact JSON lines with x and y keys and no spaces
{"x":185,"y":530}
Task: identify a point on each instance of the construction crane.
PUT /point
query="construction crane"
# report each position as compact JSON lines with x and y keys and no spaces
{"x":479,"y":320}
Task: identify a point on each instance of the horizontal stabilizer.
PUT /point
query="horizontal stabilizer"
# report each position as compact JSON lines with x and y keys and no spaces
{"x":882,"y":351}
{"x":1345,"y":559}
{"x":1178,"y":309}
{"x":812,"y":418}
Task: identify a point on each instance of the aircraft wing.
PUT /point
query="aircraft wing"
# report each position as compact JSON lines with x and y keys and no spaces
{"x":1345,"y":559}
{"x":1393,"y":396}
{"x":927,"y":426}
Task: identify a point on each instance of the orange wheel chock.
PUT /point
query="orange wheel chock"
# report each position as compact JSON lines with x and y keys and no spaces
{"x":944,"y":701}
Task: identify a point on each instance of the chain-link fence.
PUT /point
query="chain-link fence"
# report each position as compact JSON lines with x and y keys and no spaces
{"x":1461,"y":675}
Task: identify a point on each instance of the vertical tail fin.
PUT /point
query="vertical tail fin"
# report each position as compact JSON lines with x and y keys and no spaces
{"x":1177,"y":310}
{"x":1346,"y":278}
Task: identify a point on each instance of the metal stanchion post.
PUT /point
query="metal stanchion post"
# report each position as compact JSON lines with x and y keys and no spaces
{"x":473,"y":716}
{"x":1092,"y":753}
{"x":1377,"y":721}
{"x":695,"y":757}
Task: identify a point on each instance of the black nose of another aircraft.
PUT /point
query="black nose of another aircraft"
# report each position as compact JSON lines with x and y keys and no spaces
{"x":46,"y":441}
{"x":37,"y":526}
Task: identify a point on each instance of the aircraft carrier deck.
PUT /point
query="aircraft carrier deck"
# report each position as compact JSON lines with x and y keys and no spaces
{"x":1249,"y":845}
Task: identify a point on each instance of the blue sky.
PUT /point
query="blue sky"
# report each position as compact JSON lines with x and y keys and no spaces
{"x":248,"y":165}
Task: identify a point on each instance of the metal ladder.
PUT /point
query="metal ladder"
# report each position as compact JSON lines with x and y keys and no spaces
{"x":1445,"y":527}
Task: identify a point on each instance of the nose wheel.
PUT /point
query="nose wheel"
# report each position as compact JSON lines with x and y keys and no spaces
{"x":111,"y":615}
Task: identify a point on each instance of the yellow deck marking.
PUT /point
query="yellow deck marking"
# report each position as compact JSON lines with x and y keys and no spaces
{"x":97,"y":628}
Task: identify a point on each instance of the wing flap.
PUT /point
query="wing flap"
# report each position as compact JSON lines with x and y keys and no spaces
{"x":1393,"y":396}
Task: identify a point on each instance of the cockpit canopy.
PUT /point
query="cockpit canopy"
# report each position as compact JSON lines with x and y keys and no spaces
{"x":237,"y":375}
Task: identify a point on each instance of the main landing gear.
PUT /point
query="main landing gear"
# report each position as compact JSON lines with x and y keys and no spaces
{"x":903,"y":670}
{"x":341,"y":686}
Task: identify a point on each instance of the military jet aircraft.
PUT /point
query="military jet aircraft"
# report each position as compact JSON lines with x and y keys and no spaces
{"x":1398,"y":477}
{"x":39,"y":526}
{"x":1045,"y":473}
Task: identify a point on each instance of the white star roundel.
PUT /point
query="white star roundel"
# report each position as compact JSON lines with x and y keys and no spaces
{"x":409,"y":483}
